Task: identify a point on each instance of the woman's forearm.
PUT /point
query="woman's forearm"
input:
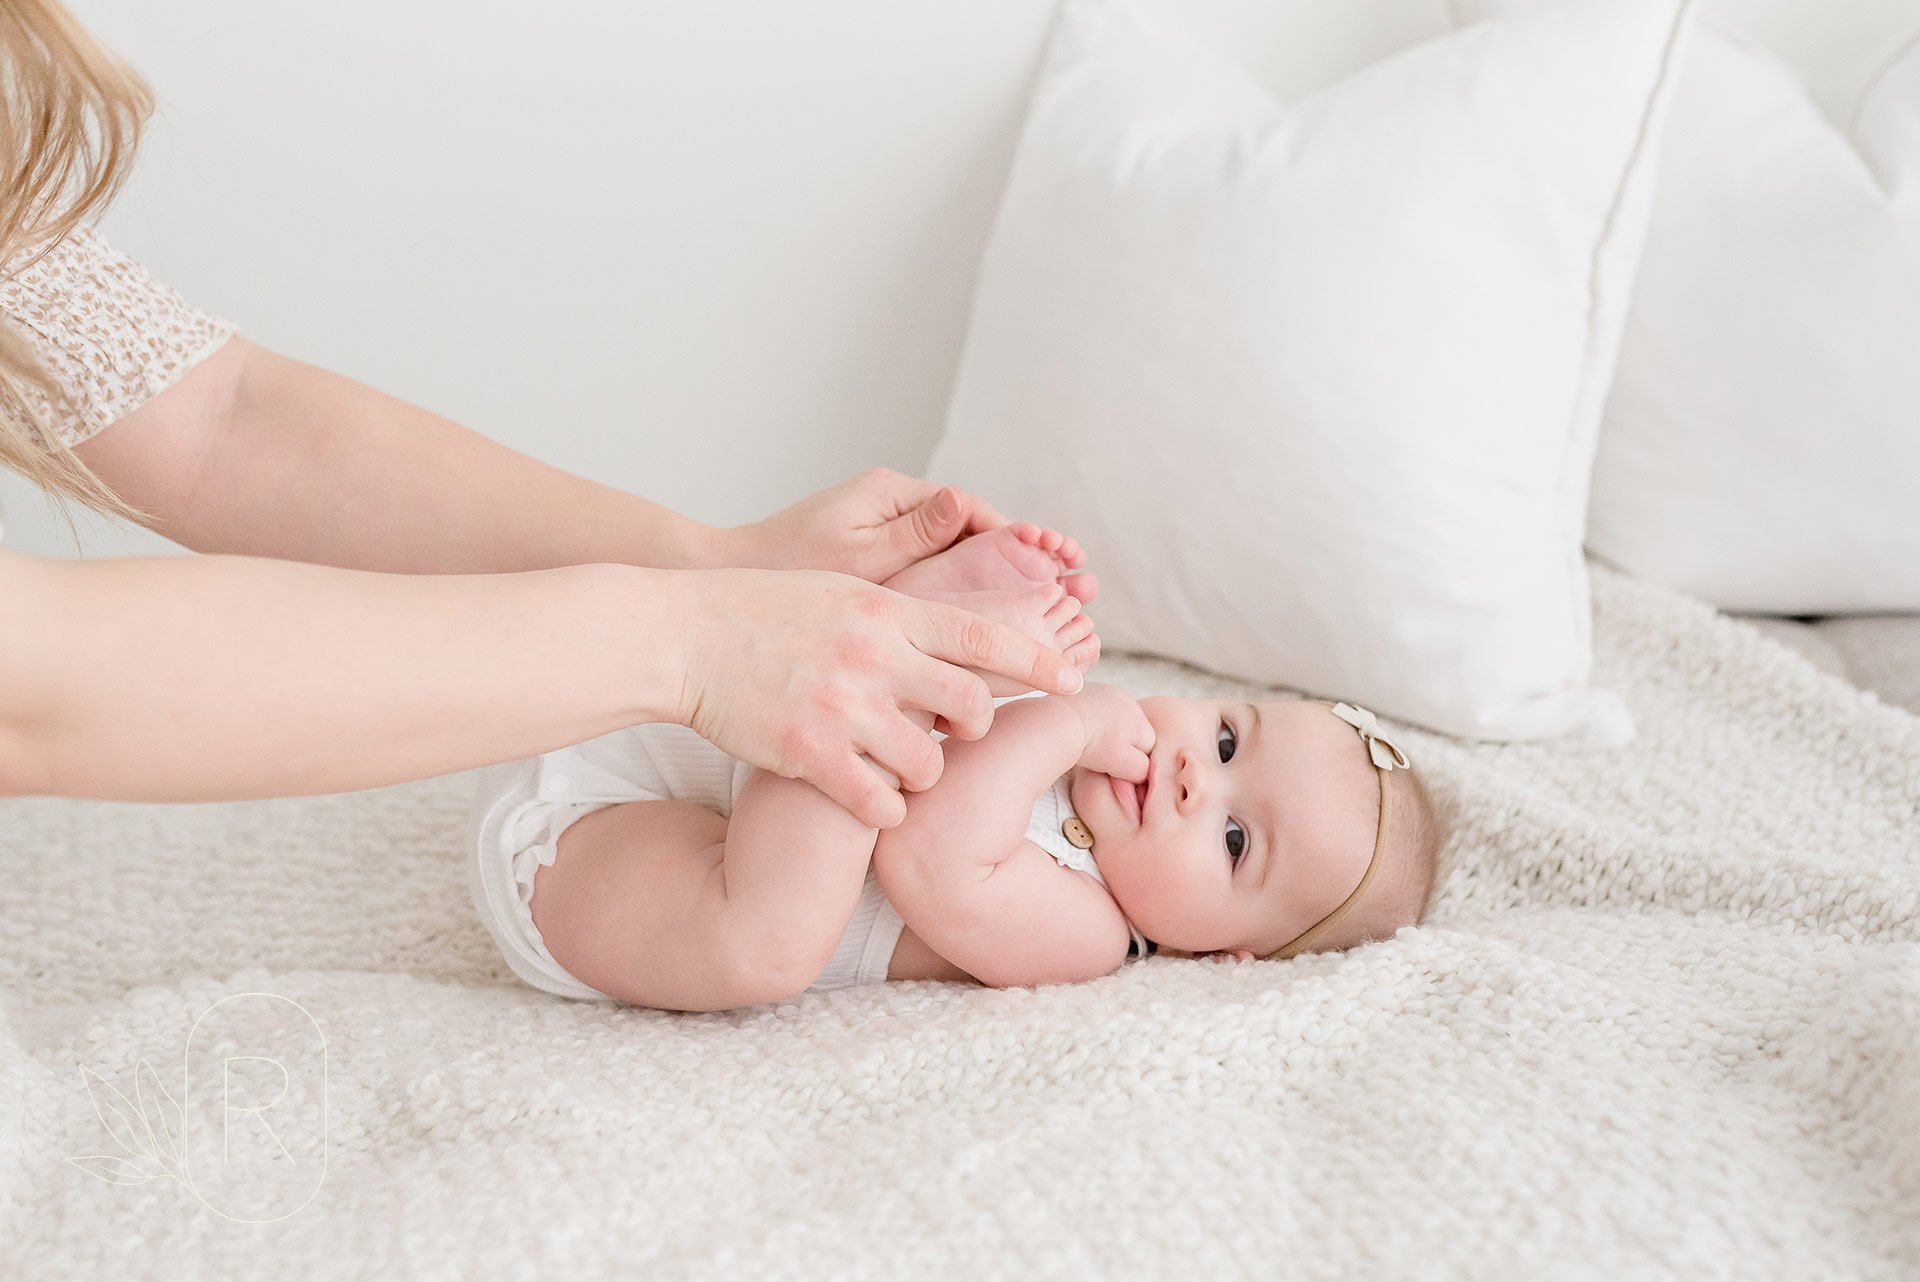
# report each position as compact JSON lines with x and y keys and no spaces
{"x":299,"y":463}
{"x":228,"y":678}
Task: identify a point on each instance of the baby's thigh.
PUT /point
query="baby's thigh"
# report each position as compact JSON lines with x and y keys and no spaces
{"x":635,"y":905}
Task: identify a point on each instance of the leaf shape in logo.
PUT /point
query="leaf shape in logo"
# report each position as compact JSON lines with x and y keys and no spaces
{"x":160,"y":1111}
{"x":116,"y":1113}
{"x":114,"y":1170}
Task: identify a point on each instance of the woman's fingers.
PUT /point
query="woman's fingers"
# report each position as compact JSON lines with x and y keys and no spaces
{"x":812,"y":675}
{"x":981,"y":516}
{"x":903,"y":749}
{"x":973,"y":641}
{"x":927,"y":529}
{"x":959,"y":700}
{"x":852,"y":783}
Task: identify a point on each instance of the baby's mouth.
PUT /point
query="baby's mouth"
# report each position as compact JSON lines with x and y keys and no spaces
{"x":1133,"y":795}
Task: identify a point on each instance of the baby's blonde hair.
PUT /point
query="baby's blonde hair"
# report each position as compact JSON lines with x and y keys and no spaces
{"x":1426,"y":843}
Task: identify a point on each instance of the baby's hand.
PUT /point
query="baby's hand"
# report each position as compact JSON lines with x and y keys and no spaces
{"x":1119,"y":736}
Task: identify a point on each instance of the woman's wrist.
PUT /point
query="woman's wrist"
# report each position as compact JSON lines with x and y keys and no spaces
{"x":664,"y":607}
{"x":645,"y":535}
{"x":726,"y":548}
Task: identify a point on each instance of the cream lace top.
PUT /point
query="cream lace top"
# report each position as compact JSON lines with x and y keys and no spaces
{"x":112,"y":336}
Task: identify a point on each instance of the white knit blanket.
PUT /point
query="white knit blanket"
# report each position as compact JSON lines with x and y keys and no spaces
{"x":1665,"y":1024}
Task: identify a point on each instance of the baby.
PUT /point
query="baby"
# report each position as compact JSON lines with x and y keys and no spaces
{"x":648,"y":867}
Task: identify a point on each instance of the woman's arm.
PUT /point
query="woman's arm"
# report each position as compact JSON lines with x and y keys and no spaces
{"x":256,"y":454}
{"x":962,"y":875}
{"x":196,"y":678}
{"x":210,"y":678}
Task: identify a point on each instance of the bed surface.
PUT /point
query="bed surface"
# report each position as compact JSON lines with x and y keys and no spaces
{"x":1880,"y":653}
{"x":1665,"y":1022}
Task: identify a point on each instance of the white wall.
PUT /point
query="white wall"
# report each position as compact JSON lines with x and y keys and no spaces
{"x":718,"y":254}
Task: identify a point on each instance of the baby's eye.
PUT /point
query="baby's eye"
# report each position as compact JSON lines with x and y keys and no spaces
{"x":1226,"y":749}
{"x":1236,"y":841}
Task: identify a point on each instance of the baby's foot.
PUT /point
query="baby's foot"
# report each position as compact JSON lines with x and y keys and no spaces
{"x":1012,"y":558}
{"x":1046,"y":612}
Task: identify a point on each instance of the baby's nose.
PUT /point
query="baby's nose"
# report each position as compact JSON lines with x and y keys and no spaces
{"x":1187,"y":784}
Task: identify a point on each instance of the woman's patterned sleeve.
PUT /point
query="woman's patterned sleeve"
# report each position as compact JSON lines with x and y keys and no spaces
{"x":112,"y":336}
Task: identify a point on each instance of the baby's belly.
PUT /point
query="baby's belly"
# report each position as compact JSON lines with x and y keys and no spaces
{"x":912,"y":959}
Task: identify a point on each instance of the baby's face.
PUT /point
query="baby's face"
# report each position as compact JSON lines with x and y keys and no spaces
{"x":1258,"y":820}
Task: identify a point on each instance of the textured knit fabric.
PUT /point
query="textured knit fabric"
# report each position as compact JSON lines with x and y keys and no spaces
{"x":1664,"y":1024}
{"x":111,"y":336}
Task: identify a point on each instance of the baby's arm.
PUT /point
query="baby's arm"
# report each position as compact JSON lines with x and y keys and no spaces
{"x":960,"y":872}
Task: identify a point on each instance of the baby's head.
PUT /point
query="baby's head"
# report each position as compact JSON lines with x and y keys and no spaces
{"x":1259,"y":823}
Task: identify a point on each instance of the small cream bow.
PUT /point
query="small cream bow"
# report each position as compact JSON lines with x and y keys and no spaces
{"x":1385,"y":753}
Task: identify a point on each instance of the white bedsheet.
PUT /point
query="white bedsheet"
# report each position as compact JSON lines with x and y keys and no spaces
{"x":1665,"y":1024}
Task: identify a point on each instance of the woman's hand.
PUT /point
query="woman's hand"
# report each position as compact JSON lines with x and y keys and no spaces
{"x":1119,"y":736}
{"x":802,"y":672}
{"x":872,"y":527}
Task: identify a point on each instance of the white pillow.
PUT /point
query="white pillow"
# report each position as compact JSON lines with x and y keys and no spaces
{"x":1761,"y":447}
{"x":1316,"y":385}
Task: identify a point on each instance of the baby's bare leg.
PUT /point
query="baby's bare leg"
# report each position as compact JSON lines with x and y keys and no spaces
{"x":795,"y":866}
{"x":667,"y":904}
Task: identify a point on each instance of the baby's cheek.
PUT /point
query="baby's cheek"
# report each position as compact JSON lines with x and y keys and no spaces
{"x":1128,"y":865}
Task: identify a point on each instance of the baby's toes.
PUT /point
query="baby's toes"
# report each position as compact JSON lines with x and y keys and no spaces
{"x":1084,"y":586}
{"x":1074,"y":630}
{"x":1062,"y":612}
{"x":1083,"y":654}
{"x":1024,"y":546}
{"x":1039,"y":536}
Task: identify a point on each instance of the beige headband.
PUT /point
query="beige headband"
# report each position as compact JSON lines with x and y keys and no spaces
{"x":1386,"y":757}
